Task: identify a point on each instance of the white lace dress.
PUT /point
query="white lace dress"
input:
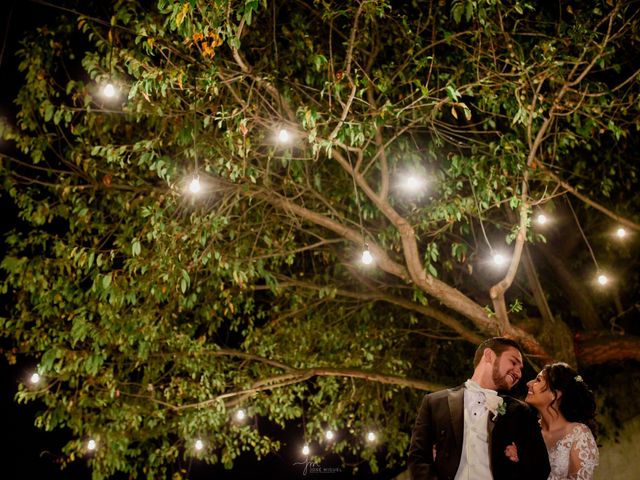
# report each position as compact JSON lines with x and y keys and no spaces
{"x":579,"y":446}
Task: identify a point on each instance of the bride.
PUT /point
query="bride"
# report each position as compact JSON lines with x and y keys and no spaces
{"x":566,"y":408}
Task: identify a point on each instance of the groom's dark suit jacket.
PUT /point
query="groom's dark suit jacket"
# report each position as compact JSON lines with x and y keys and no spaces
{"x":436,"y":443}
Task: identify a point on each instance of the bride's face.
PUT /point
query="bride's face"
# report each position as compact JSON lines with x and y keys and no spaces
{"x":539,"y":394}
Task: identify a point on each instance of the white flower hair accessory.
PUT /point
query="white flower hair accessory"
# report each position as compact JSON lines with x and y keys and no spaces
{"x":578,"y":378}
{"x":495,"y":404}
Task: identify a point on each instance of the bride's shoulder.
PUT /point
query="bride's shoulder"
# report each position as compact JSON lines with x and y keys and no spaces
{"x":580,"y":430}
{"x":577,"y":427}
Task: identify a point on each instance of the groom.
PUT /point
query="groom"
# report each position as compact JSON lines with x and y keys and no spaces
{"x":462,"y":433}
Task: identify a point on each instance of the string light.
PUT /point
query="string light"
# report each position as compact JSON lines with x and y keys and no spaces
{"x":306,"y":450}
{"x":194,"y":186}
{"x":413,"y":183}
{"x":240,"y":415}
{"x":284,"y":136}
{"x":601,"y":279}
{"x":108,"y":90}
{"x":91,"y":445}
{"x":199,"y":445}
{"x":371,"y":437}
{"x":329,"y":435}
{"x":367,"y":258}
{"x":498,"y":259}
{"x":621,"y":232}
{"x":541,"y":219}
{"x":35,"y":378}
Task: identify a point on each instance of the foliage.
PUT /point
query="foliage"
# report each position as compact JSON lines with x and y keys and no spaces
{"x":155,"y":314}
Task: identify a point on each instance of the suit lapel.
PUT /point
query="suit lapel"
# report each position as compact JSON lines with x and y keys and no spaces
{"x":491,"y":423}
{"x":456,"y":408}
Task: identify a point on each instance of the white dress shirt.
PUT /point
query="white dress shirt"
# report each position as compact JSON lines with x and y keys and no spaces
{"x":474,"y":461}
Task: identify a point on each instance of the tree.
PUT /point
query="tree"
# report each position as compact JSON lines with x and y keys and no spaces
{"x":156,"y":312}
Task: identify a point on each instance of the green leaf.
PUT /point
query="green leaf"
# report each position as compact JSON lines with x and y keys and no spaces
{"x":135,"y":247}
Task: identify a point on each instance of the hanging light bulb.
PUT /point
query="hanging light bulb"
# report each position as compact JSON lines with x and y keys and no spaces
{"x":306,"y":450}
{"x":498,"y":259}
{"x":91,"y":445}
{"x":240,"y":415}
{"x":621,"y":232}
{"x":371,"y":437}
{"x":199,"y":445}
{"x":541,"y":219}
{"x":367,"y":258}
{"x":603,"y":279}
{"x":329,"y":435}
{"x":413,"y":183}
{"x":284,"y":136}
{"x":108,"y":90}
{"x":35,"y":378}
{"x":194,"y":185}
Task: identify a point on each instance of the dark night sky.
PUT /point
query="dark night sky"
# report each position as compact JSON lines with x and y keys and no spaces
{"x":32,"y":453}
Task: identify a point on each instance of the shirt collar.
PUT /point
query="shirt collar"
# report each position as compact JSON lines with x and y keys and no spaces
{"x":472,"y":386}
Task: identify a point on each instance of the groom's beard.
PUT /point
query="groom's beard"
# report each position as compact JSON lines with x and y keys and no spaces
{"x":499,"y":380}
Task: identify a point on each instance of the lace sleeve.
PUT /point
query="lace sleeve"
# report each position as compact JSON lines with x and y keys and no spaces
{"x":583,"y":458}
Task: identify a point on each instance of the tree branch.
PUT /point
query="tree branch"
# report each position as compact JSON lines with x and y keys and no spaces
{"x":430,"y":312}
{"x":622,"y":220}
{"x":299,"y":376}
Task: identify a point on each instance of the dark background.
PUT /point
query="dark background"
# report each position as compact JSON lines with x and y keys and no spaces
{"x":29,"y":452}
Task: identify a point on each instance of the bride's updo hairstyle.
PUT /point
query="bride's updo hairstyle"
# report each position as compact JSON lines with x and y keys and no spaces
{"x":577,"y":403}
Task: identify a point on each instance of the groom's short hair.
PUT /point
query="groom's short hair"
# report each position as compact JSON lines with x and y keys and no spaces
{"x":498,"y":345}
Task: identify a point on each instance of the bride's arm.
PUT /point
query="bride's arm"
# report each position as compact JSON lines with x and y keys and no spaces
{"x":583,"y":458}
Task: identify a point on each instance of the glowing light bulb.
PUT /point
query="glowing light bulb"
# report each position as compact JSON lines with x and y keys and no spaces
{"x":621,"y":232}
{"x":371,"y":437}
{"x":306,"y":450}
{"x":241,"y":415}
{"x":109,"y":90}
{"x":329,"y":435}
{"x":284,"y":136}
{"x":499,"y":259}
{"x":603,"y":279}
{"x":367,"y":258}
{"x":413,"y":183}
{"x":541,"y":219}
{"x":35,"y":378}
{"x":199,"y":445}
{"x":194,"y":186}
{"x":91,"y":445}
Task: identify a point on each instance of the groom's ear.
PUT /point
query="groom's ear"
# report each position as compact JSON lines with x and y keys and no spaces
{"x":488,"y":355}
